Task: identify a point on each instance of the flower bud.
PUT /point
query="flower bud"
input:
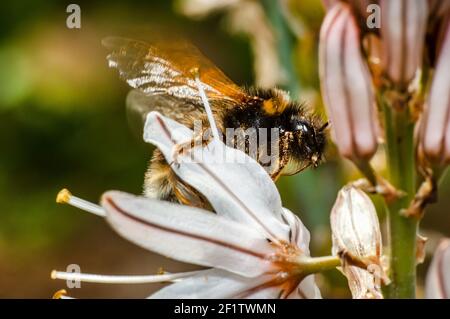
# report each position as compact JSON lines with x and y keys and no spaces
{"x":403,"y":29}
{"x":357,"y":241}
{"x":362,"y":9}
{"x":346,"y":85}
{"x":438,"y":277}
{"x":435,"y":128}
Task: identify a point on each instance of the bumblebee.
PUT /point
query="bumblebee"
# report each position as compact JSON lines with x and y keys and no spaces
{"x":161,"y":75}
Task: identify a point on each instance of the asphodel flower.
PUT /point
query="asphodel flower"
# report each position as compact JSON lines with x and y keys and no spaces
{"x":357,"y":241}
{"x":438,"y":277}
{"x":252,"y":246}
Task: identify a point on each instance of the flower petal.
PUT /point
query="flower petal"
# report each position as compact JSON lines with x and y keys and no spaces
{"x":187,"y":234}
{"x":403,"y":29}
{"x":307,"y":289}
{"x":208,"y":284}
{"x":360,"y":7}
{"x":346,"y":85}
{"x":438,"y":278}
{"x":236,"y":186}
{"x":299,"y":234}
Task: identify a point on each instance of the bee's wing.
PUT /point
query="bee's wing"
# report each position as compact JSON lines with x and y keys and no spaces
{"x":166,"y":68}
{"x":139,"y":104}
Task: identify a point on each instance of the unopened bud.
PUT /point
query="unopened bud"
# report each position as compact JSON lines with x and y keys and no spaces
{"x":403,"y":29}
{"x":346,"y":85}
{"x":435,"y":128}
{"x":357,"y":240}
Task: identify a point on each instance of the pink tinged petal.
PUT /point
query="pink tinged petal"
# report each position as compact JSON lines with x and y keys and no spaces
{"x":236,"y":186}
{"x":361,"y":8}
{"x":328,"y":4}
{"x":209,"y":284}
{"x":437,"y":284}
{"x":331,"y":84}
{"x":346,"y":85}
{"x":403,"y":29}
{"x":187,"y":234}
{"x":356,"y":4}
{"x":361,"y":97}
{"x":436,"y":131}
{"x":356,"y":233}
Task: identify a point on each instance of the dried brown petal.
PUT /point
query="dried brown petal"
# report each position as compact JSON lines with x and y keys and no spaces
{"x":421,"y":253}
{"x":403,"y":29}
{"x":346,"y":85}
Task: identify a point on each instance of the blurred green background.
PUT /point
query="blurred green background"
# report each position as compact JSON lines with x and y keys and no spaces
{"x":63,"y":124}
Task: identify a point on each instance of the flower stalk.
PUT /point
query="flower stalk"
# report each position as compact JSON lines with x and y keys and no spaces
{"x":402,"y":174}
{"x":313,"y":265}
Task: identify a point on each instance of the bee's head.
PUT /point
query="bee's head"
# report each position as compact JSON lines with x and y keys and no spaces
{"x":310,"y":140}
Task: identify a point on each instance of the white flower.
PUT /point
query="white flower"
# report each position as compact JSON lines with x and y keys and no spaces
{"x":254,"y":247}
{"x":438,"y":277}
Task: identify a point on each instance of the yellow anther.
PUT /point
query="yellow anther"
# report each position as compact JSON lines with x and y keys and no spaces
{"x":59,"y":294}
{"x":63,"y":196}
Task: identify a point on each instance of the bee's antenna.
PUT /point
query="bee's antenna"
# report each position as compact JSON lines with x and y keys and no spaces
{"x":323,"y":127}
{"x":205,"y":101}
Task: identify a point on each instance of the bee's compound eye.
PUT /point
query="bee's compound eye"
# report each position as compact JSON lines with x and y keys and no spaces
{"x":307,"y":136}
{"x":303,"y":127}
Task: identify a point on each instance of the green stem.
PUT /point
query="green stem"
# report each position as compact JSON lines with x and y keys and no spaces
{"x":402,"y":172}
{"x":312,"y":265}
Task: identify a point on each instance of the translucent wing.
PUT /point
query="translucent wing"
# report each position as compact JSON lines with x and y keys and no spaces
{"x":140,"y":104}
{"x":166,"y":68}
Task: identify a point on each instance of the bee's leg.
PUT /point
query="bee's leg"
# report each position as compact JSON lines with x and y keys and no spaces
{"x":283,"y":158}
{"x":162,"y":183}
{"x":277,"y":173}
{"x":199,"y":140}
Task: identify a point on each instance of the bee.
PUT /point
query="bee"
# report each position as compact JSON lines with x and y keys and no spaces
{"x":161,"y":75}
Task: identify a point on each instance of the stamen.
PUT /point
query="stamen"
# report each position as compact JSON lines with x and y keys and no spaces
{"x":61,"y":294}
{"x":106,"y":279}
{"x":212,"y":122}
{"x":65,"y":197}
